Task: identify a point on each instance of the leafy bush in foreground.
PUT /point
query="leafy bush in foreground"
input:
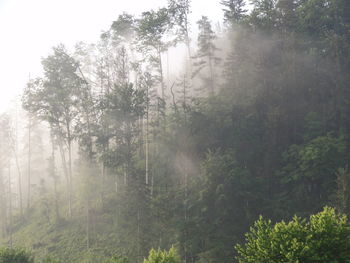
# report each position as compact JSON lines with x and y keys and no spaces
{"x":325,"y":237}
{"x":159,"y":256}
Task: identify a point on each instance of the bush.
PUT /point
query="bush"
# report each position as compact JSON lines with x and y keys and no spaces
{"x":15,"y":255}
{"x":325,"y":237}
{"x":158,"y":256}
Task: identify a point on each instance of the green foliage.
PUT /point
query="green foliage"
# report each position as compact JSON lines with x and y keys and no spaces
{"x":15,"y":255}
{"x":323,"y":238}
{"x":50,"y":259}
{"x":117,"y":259}
{"x":159,"y":256}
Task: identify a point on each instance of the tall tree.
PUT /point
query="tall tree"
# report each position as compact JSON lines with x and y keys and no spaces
{"x":234,"y":11}
{"x":206,"y":58}
{"x":152,"y":28}
{"x":53,"y":99}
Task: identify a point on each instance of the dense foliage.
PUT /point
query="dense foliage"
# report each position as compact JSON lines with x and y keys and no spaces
{"x":158,"y":256}
{"x":11,"y":255}
{"x":323,"y":238}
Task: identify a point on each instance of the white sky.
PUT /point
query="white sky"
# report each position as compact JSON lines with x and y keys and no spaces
{"x":29,"y":28}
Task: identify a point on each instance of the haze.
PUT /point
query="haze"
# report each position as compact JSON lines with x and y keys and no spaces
{"x":29,"y":29}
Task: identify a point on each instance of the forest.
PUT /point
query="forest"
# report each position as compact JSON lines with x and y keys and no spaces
{"x":123,"y":152}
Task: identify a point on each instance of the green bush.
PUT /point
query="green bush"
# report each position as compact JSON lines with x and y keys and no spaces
{"x":325,"y":237}
{"x":159,"y":256}
{"x":15,"y":255}
{"x":117,"y":259}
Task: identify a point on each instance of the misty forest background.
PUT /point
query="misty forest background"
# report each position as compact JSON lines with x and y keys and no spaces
{"x":120,"y":152}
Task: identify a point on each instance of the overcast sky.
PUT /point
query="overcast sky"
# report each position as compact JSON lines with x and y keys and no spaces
{"x":29,"y":28}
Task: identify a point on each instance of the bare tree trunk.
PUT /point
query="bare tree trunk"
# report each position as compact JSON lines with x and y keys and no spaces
{"x":54,"y":175}
{"x":211,"y":71}
{"x":147,"y":131}
{"x":19,"y":182}
{"x":29,"y":162}
{"x":65,"y":169}
{"x":161,"y":76}
{"x":190,"y":71}
{"x":10,"y":204}
{"x":87,"y":223}
{"x":70,"y":176}
{"x":3,"y":212}
{"x":138,"y":234}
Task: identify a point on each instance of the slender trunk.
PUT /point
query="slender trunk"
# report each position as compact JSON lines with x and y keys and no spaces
{"x":69,"y":144}
{"x":29,"y":163}
{"x":128,"y":140}
{"x":70,"y":176}
{"x":53,"y":161}
{"x":10,"y":204}
{"x":189,"y":53}
{"x":125,"y":175}
{"x":3,"y":215}
{"x":19,"y":183}
{"x":138,"y":234}
{"x":65,"y":169}
{"x":147,"y":134}
{"x":161,"y":75}
{"x":211,"y":71}
{"x":185,"y":99}
{"x":185,"y":215}
{"x":87,"y":223}
{"x":15,"y":150}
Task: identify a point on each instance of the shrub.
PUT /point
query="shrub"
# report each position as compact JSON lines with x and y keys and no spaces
{"x":15,"y":255}
{"x":325,"y":237}
{"x":159,"y":256}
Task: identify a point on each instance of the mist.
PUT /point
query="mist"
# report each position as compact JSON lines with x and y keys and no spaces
{"x":168,"y":138}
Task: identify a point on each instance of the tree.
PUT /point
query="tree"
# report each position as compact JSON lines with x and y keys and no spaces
{"x":287,"y":15}
{"x":234,"y":11}
{"x":179,"y":11}
{"x":206,"y":54}
{"x":54,"y":99}
{"x":124,"y":27}
{"x":263,"y":16}
{"x":151,"y":31}
{"x":323,"y":238}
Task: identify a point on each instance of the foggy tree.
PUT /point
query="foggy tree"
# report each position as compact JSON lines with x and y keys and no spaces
{"x":179,"y":11}
{"x":52,"y":99}
{"x":206,"y":59}
{"x":124,"y":27}
{"x":152,"y":28}
{"x":234,"y":11}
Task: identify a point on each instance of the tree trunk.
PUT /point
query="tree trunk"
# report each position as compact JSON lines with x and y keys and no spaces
{"x":29,"y":162}
{"x":54,"y":176}
{"x":10,"y":204}
{"x":19,"y":183}
{"x":65,"y":169}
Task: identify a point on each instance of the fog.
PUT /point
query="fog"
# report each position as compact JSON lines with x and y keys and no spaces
{"x":168,"y":129}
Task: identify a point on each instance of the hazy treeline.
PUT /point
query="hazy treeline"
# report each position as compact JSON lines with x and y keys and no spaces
{"x":136,"y":156}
